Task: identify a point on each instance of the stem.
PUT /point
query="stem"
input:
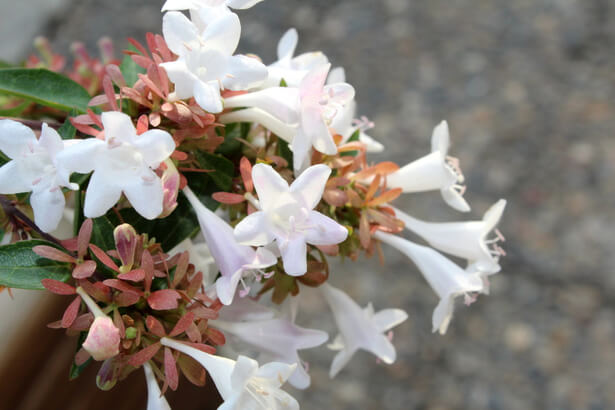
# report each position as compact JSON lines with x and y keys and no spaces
{"x":94,"y":308}
{"x":33,"y":123}
{"x":13,"y":213}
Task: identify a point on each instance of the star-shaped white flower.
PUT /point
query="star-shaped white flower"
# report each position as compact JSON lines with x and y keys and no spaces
{"x":434,"y":171}
{"x":34,"y":167}
{"x":174,"y":5}
{"x":466,"y":240}
{"x":309,"y":109}
{"x":287,"y":216}
{"x":123,"y":162}
{"x":360,"y":328}
{"x":155,"y":399}
{"x":234,"y":260}
{"x":446,"y":278}
{"x":206,"y":62}
{"x":243,"y":384}
{"x":277,"y":339}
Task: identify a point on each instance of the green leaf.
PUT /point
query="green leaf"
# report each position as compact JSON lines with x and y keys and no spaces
{"x":15,"y":111}
{"x":354,"y":137}
{"x":130,"y":70}
{"x":67,"y":131}
{"x":231,"y":144}
{"x":284,"y":151}
{"x":44,"y":87}
{"x":102,"y":233}
{"x":223,"y":169}
{"x":75,"y":371}
{"x":21,"y":268}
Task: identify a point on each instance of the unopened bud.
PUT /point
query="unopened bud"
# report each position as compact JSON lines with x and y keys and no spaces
{"x":170,"y":185}
{"x":103,"y":341}
{"x":126,"y":240}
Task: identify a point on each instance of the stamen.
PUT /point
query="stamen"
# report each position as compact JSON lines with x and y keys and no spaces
{"x":469,"y":299}
{"x":148,"y":178}
{"x":37,"y":181}
{"x":499,"y":234}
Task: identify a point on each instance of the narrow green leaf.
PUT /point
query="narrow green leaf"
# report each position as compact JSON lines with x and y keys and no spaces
{"x":21,"y":268}
{"x":284,"y":151}
{"x":223,"y":169}
{"x":102,"y":233}
{"x":231,"y":145}
{"x":15,"y":111}
{"x":354,"y":137}
{"x":67,"y":131}
{"x":44,"y":87}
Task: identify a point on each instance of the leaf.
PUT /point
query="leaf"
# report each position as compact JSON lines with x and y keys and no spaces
{"x":102,"y":233}
{"x":130,"y":70}
{"x":353,"y":138}
{"x":67,"y":131}
{"x":231,"y":144}
{"x":76,"y":370}
{"x":224,"y":170}
{"x":44,"y":87}
{"x":165,"y":299}
{"x":21,"y":268}
{"x":15,"y":111}
{"x":284,"y":151}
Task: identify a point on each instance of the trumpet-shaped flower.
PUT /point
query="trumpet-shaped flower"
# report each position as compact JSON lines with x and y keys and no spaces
{"x":206,"y":62}
{"x":103,"y":340}
{"x":446,"y":278}
{"x":466,"y":240}
{"x":234,"y":260}
{"x":277,"y":339}
{"x":155,"y":399}
{"x":360,"y":328}
{"x":122,"y":163}
{"x":345,"y":122}
{"x":287,"y":216}
{"x":174,"y":5}
{"x":243,"y":384}
{"x":34,"y":167}
{"x":434,"y":171}
{"x":310,"y":108}
{"x":289,"y":68}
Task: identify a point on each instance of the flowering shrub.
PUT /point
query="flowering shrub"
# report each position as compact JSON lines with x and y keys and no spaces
{"x":205,"y":191}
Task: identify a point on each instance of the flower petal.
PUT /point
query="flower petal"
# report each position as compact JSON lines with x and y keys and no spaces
{"x":101,"y":195}
{"x":81,"y":156}
{"x":48,"y":206}
{"x":207,"y":96}
{"x":155,"y":146}
{"x":281,"y":102}
{"x":242,"y":4}
{"x":11,"y":179}
{"x":312,"y":85}
{"x":244,"y":369}
{"x":244,"y":72}
{"x":276,"y":372}
{"x":226,"y":286}
{"x":440,"y":139}
{"x":179,"y":32}
{"x":315,"y":128}
{"x":179,"y":5}
{"x":340,"y":93}
{"x":340,"y":361}
{"x":455,"y":200}
{"x":50,"y":140}
{"x":294,"y":255}
{"x":310,"y":185}
{"x":183,"y":79}
{"x":268,"y":184}
{"x":326,"y":231}
{"x":145,"y":194}
{"x":223,"y":34}
{"x":155,"y":399}
{"x":252,"y":230}
{"x":14,"y":138}
{"x":118,"y":125}
{"x":288,"y":44}
{"x":389,"y":318}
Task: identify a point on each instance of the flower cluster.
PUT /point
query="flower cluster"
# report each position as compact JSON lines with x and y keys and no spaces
{"x":206,"y":191}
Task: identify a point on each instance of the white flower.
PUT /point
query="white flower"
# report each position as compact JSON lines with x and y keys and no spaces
{"x":34,"y":167}
{"x":122,"y":163}
{"x":197,"y":4}
{"x":206,"y":62}
{"x":309,"y":108}
{"x":277,"y":339}
{"x":446,"y":278}
{"x":243,"y":384}
{"x":434,"y":171}
{"x":345,"y":122}
{"x":234,"y":260}
{"x":360,"y":328}
{"x":155,"y":399}
{"x":287,"y":216}
{"x":466,"y":240}
{"x":289,"y":68}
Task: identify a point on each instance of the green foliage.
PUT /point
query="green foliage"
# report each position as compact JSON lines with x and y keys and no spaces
{"x":44,"y":87}
{"x":21,"y":268}
{"x":130,"y":70}
{"x":284,"y":151}
{"x":231,"y":145}
{"x":75,"y":370}
{"x":67,"y":131}
{"x":353,"y":138}
{"x":15,"y":111}
{"x":102,"y":233}
{"x":223,"y":169}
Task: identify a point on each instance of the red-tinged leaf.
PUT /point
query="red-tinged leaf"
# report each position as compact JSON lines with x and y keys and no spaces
{"x":86,"y":129}
{"x":364,"y":233}
{"x":385,"y":220}
{"x":202,"y":347}
{"x":193,"y":333}
{"x":119,"y":323}
{"x":203,"y":312}
{"x":228,"y":198}
{"x":116,"y":75}
{"x":194,"y":372}
{"x":170,"y":369}
{"x":386,"y":168}
{"x":195,"y":284}
{"x":110,"y":92}
{"x":143,"y":62}
{"x":179,"y":155}
{"x":337,"y":182}
{"x":181,"y":268}
{"x":245,"y":168}
{"x":55,"y":325}
{"x":126,"y":299}
{"x":354,"y":198}
{"x":150,"y":84}
{"x":216,"y":336}
{"x":135,"y":275}
{"x":147,"y":264}
{"x":70,"y":314}
{"x":136,"y":97}
{"x":84,"y":270}
{"x":95,"y":118}
{"x":163,"y":48}
{"x":82,"y":323}
{"x":83,"y":239}
{"x":335,"y":197}
{"x":386,"y":197}
{"x":330,"y":250}
{"x":103,"y":257}
{"x":52,"y":253}
{"x":138,"y":46}
{"x":150,"y":39}
{"x":123,"y":286}
{"x":57,"y":287}
{"x":165,"y":299}
{"x":81,"y":357}
{"x":155,"y":327}
{"x":352,"y":146}
{"x":70,"y":244}
{"x":141,"y":357}
{"x":373,"y":188}
{"x":97,"y":290}
{"x":313,"y":279}
{"x":142,"y":124}
{"x":182,"y":324}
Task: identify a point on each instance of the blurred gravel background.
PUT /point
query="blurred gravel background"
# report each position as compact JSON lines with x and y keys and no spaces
{"x":528,"y":87}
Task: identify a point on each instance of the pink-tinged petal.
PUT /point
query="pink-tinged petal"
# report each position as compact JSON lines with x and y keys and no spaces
{"x":183,"y":79}
{"x":268,"y":184}
{"x":48,"y":207}
{"x":179,"y":32}
{"x":310,"y":185}
{"x":81,"y":156}
{"x":294,"y":255}
{"x":11,"y":180}
{"x":223,"y":34}
{"x":50,"y":140}
{"x":314,"y":126}
{"x":145,"y":195}
{"x":242,"y":4}
{"x":281,"y":102}
{"x":15,"y":138}
{"x":325,"y":230}
{"x":252,"y":230}
{"x":101,"y":195}
{"x":103,"y":341}
{"x":118,"y":125}
{"x":340,"y":93}
{"x":226,"y":287}
{"x":263,"y":259}
{"x":207,"y":96}
{"x":312,"y":85}
{"x":155,"y":146}
{"x":243,"y":73}
{"x":288,"y":44}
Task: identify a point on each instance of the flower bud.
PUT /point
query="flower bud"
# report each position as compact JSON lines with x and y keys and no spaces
{"x":170,"y":185}
{"x":126,"y":239}
{"x":103,"y":341}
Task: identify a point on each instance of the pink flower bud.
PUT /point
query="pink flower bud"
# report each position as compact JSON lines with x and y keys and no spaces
{"x":103,"y":341}
{"x":126,"y":240}
{"x":170,"y":185}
